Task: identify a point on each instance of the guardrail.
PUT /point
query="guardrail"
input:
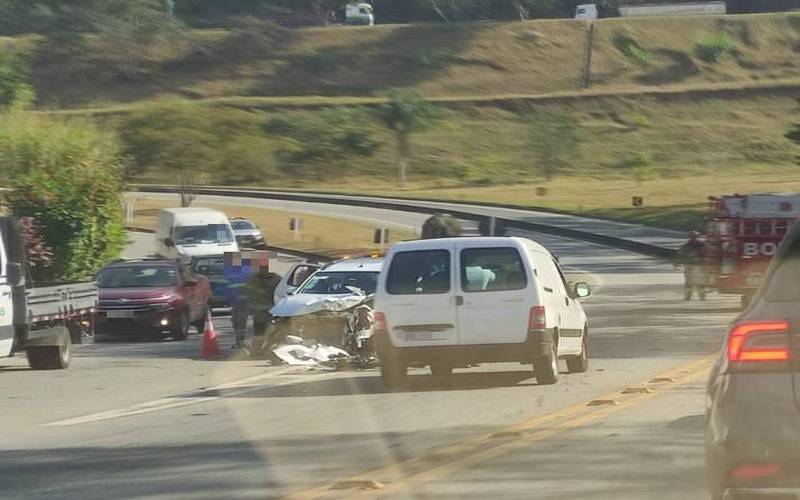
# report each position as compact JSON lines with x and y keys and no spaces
{"x":419,"y":207}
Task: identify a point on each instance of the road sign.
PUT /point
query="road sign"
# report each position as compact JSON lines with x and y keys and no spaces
{"x":381,"y":237}
{"x":296,"y":225}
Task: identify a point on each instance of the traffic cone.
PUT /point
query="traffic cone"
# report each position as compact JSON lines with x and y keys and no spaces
{"x":210,"y":347}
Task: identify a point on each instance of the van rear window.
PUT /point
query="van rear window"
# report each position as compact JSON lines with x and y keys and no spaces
{"x":421,"y":272}
{"x":492,"y":270}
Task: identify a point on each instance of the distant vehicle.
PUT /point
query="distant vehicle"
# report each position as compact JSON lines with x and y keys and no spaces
{"x":247,"y":234}
{"x":448,"y":303}
{"x":743,"y":234}
{"x":753,"y":396}
{"x":183,"y":233}
{"x":42,"y":321}
{"x":151,"y":296}
{"x":359,"y":13}
{"x":586,"y":11}
{"x":350,"y":277}
{"x":673,"y":9}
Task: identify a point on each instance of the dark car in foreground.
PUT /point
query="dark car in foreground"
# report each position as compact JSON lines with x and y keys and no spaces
{"x":753,"y":399}
{"x":147,"y":297}
{"x":247,"y":234}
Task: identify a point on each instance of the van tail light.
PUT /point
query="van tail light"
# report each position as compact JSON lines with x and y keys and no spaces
{"x":537,"y":319}
{"x":379,"y":324}
{"x":762,"y":344}
{"x":751,"y":472}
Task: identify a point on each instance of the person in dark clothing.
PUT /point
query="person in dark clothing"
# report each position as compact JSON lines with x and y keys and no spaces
{"x":259,"y":293}
{"x":692,"y":255}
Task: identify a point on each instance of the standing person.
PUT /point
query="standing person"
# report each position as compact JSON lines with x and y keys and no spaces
{"x":691,"y":255}
{"x":259,"y":294}
{"x":237,"y":275}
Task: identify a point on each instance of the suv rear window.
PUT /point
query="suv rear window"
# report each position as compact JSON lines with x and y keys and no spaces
{"x":784,"y":284}
{"x":421,"y":272}
{"x":492,"y":270}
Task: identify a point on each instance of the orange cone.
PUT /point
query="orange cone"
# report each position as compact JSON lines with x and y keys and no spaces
{"x":210,"y":347}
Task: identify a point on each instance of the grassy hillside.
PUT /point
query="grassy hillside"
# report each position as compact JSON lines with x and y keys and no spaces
{"x":471,"y":59}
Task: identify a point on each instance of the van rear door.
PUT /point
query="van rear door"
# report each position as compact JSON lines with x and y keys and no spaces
{"x":494,"y":284}
{"x":418,"y":297}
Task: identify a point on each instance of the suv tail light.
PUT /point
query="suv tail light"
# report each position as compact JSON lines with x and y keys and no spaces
{"x":537,"y":319}
{"x":759,"y":343}
{"x":379,"y":324}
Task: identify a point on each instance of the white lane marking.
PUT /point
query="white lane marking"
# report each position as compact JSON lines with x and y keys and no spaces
{"x":192,"y":398}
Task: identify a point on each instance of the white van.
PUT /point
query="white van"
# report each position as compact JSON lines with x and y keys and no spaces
{"x":183,"y":233}
{"x":586,"y":11}
{"x":451,"y":302}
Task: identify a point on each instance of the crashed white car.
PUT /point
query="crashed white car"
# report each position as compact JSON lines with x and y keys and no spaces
{"x":327,"y":304}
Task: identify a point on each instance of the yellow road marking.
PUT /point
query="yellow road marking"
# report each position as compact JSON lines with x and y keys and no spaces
{"x":474,"y":450}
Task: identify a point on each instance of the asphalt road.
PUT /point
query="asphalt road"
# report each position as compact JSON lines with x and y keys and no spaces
{"x":150,"y":420}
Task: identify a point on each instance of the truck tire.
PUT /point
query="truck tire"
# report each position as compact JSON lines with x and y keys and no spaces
{"x":545,"y":368}
{"x":580,"y":363}
{"x":442,"y":373}
{"x":50,"y":357}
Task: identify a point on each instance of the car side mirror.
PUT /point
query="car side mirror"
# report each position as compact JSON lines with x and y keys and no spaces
{"x":14,"y":274}
{"x":291,"y":291}
{"x":581,"y":290}
{"x":168,"y":242}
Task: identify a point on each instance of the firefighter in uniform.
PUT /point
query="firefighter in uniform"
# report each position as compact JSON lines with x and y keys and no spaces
{"x":691,"y":255}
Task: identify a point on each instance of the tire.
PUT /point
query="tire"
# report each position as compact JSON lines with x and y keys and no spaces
{"x":441,"y":371}
{"x":580,"y":363}
{"x":545,"y":368}
{"x":200,"y":324}
{"x":50,"y":357}
{"x":181,"y":330}
{"x":394,"y":373}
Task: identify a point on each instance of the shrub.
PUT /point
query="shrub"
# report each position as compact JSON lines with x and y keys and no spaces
{"x":633,"y":50}
{"x":714,"y":47}
{"x":66,"y":176}
{"x":14,"y":87}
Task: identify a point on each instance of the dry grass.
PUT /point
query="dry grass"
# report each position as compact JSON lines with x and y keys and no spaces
{"x":324,"y":235}
{"x":444,"y":61}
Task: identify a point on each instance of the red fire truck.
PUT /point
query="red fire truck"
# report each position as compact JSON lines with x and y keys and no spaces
{"x":743,"y":234}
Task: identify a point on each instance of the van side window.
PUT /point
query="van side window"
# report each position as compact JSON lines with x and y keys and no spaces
{"x":421,"y":272}
{"x":492,"y":270}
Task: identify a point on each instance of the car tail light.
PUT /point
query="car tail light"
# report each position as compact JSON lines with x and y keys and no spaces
{"x":751,"y":472}
{"x":763,"y":343}
{"x":379,"y":324}
{"x":537,"y":319}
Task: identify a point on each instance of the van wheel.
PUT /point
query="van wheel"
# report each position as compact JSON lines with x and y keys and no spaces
{"x":394,"y":373}
{"x":50,"y":357}
{"x":580,"y":363}
{"x":545,"y":368}
{"x":442,"y":373}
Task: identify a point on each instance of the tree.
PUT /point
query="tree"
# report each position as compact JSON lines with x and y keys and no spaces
{"x":406,"y":113}
{"x":555,"y":141}
{"x":66,"y":177}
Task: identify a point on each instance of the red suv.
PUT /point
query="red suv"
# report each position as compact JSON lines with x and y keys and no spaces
{"x":151,"y":296}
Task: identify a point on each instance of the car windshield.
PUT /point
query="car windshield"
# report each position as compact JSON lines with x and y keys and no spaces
{"x":239,"y":225}
{"x":210,"y":233}
{"x":137,"y":277}
{"x":210,"y":267}
{"x":337,"y":283}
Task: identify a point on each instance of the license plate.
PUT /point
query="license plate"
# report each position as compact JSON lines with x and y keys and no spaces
{"x":419,"y":336}
{"x":119,"y":314}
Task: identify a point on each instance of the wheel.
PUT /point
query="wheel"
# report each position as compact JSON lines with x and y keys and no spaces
{"x":545,"y":368}
{"x":50,"y":357}
{"x":181,"y":330}
{"x":394,"y":372}
{"x":200,"y":324}
{"x":441,"y":371}
{"x":580,"y":363}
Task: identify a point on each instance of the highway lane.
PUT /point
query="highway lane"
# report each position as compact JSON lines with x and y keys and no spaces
{"x":292,"y":430}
